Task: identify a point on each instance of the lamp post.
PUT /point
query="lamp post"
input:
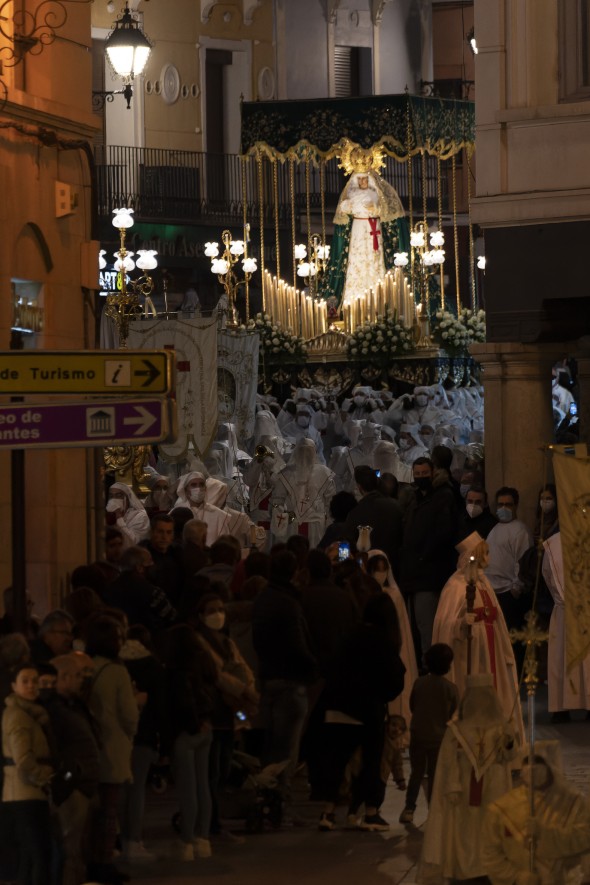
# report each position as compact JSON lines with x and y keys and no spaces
{"x":126,"y":304}
{"x":127,"y":49}
{"x":224,"y":267}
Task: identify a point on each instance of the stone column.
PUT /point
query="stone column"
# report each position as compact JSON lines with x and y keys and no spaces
{"x":518,"y":417}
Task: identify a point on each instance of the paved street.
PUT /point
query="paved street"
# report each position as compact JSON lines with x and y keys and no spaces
{"x":301,"y":854}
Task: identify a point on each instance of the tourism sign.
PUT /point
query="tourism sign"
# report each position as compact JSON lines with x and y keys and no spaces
{"x":90,"y":423}
{"x":87,"y":372}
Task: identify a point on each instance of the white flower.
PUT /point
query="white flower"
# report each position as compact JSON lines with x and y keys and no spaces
{"x":445,"y":335}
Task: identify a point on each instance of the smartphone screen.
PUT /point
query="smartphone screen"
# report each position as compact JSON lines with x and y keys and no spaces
{"x":343,"y":550}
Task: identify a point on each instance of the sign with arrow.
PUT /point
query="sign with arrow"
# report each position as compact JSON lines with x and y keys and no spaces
{"x":87,"y":372}
{"x":91,"y":423}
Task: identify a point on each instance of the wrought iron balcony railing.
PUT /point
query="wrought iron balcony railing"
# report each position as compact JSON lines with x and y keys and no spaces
{"x":170,"y":185}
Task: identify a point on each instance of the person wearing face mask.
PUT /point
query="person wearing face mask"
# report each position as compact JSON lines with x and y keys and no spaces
{"x":160,"y":498}
{"x":428,"y":557}
{"x":560,"y":826}
{"x":379,"y":568}
{"x":410,"y":444}
{"x":192,"y":493}
{"x":476,"y":516}
{"x":491,"y":648}
{"x":301,"y":427}
{"x":125,"y":511}
{"x":235,"y":691}
{"x":507,"y":542}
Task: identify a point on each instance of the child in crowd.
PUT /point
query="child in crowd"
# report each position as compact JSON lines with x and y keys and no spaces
{"x":433,"y":702}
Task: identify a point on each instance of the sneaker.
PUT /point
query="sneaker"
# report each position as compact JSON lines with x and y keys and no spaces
{"x":136,"y":851}
{"x":407,"y":816}
{"x":186,"y":851}
{"x":202,"y":847}
{"x":327,"y":822}
{"x":352,"y":822}
{"x":374,"y":823}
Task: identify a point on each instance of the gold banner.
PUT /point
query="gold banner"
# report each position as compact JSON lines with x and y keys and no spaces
{"x":572,"y":475}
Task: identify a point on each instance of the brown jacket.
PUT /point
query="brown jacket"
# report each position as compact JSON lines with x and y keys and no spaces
{"x":112,"y":703}
{"x":25,"y":743}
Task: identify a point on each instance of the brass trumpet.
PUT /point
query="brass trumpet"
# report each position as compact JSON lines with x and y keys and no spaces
{"x":262,"y":452}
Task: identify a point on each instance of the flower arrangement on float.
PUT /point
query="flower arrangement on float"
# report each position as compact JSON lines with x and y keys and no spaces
{"x":277,"y":345}
{"x":455,"y":334}
{"x":381,"y":340}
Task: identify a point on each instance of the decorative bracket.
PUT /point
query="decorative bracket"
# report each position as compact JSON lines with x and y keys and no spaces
{"x":377,"y":10}
{"x":332,"y":11}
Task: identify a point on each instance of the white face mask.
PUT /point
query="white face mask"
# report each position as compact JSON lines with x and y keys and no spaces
{"x":547,"y":505}
{"x":380,"y":577}
{"x":404,"y":443}
{"x":421,"y":399}
{"x":303,"y":421}
{"x":197,"y":496}
{"x":115,"y":504}
{"x":474,"y":510}
{"x":215,"y":621}
{"x":426,"y":439}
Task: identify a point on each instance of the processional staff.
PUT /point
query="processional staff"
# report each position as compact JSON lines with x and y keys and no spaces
{"x":531,"y":637}
{"x":470,"y":589}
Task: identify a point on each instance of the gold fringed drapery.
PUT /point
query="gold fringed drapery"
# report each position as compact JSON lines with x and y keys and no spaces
{"x":317,"y":128}
{"x":261,"y":219}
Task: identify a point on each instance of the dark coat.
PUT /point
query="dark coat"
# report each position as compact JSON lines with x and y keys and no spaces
{"x":77,"y":738}
{"x":428,"y":556}
{"x":147,"y":674}
{"x":281,"y":636}
{"x":143,"y":602}
{"x":332,"y":617}
{"x":369,"y":674}
{"x":384,"y":515}
{"x":168,"y":571}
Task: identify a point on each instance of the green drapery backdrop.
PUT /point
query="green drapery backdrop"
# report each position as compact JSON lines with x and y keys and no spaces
{"x":400,"y":124}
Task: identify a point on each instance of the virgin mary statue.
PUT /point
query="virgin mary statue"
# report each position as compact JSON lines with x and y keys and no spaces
{"x":369,"y":228}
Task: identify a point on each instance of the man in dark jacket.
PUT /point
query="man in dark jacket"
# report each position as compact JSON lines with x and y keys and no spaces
{"x":476,"y":516}
{"x":286,"y":663}
{"x":382,"y":513}
{"x":76,"y":780}
{"x":168,"y":570}
{"x":132,"y":592}
{"x":428,"y":553}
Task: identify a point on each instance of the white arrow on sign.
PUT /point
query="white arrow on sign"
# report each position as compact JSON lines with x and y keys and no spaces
{"x":144,"y":422}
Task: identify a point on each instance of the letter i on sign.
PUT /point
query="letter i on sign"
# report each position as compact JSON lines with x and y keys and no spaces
{"x":117,"y":373}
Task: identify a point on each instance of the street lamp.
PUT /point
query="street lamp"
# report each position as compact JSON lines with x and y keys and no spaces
{"x":127,"y":49}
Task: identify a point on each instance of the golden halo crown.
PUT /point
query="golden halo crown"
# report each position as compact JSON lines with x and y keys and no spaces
{"x":354,"y":158}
